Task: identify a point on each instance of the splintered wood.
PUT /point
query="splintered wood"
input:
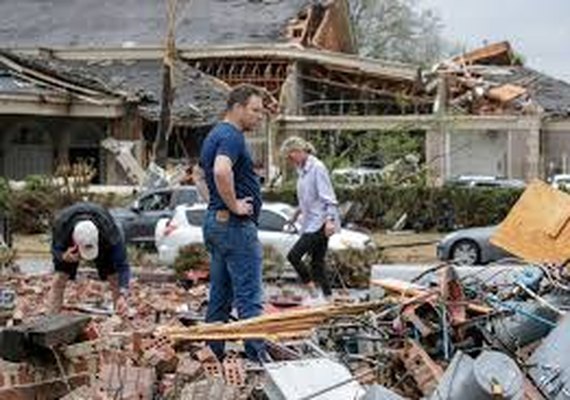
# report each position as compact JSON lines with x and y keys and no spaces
{"x":506,"y":92}
{"x":287,"y":325}
{"x":537,"y":229}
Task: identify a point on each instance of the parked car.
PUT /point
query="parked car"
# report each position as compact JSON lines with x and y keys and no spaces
{"x":138,"y":220}
{"x":5,"y":230}
{"x":356,"y":176}
{"x":484,"y":181}
{"x":470,"y":247}
{"x":185,"y":228}
{"x":560,"y":181}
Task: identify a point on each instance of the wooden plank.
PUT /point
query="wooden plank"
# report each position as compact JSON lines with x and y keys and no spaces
{"x":295,"y":323}
{"x":506,"y":93}
{"x":407,"y":290}
{"x":495,"y":54}
{"x":455,"y":123}
{"x":537,"y":228}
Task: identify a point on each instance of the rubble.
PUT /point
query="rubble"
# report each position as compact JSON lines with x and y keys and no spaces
{"x":491,"y":80}
{"x":431,"y":332}
{"x":427,"y":325}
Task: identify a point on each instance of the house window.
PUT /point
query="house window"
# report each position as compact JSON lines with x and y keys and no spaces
{"x":26,"y":136}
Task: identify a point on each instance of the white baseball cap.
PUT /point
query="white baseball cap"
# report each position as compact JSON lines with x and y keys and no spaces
{"x":86,"y":237}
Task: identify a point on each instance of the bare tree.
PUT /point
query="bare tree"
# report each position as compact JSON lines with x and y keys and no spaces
{"x":399,"y":30}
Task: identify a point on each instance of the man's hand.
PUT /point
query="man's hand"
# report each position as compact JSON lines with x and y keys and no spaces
{"x":71,"y":255}
{"x":330,"y":228}
{"x":121,"y":307}
{"x":243,"y":206}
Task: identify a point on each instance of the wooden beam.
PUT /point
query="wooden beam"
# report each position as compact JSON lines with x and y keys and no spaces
{"x":398,"y":122}
{"x":407,"y":72}
{"x":495,"y":54}
{"x":36,"y":104}
{"x":288,"y":324}
{"x":557,"y":126}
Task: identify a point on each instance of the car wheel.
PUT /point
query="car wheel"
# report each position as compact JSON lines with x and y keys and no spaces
{"x":465,"y":252}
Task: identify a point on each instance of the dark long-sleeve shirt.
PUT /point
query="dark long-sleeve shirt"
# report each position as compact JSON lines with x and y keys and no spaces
{"x":111,"y":243}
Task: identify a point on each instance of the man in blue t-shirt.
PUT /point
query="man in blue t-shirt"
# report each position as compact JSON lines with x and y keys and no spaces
{"x":230,"y":226}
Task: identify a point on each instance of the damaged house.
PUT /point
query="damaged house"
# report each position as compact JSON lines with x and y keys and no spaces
{"x":54,"y":113}
{"x":497,"y":117}
{"x":100,"y":76}
{"x":301,"y":51}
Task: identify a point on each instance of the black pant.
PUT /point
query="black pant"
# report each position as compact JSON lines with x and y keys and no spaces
{"x":315,"y":244}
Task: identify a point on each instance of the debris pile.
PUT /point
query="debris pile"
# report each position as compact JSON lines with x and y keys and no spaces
{"x":434,"y":332}
{"x":419,"y":332}
{"x":491,"y":80}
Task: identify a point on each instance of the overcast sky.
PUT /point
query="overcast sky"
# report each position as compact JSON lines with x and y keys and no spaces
{"x":538,"y":29}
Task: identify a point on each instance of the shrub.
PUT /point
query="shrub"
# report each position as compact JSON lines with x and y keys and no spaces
{"x":273,"y":261}
{"x":427,"y":208}
{"x":193,"y":257}
{"x":32,"y":208}
{"x":351,"y":267}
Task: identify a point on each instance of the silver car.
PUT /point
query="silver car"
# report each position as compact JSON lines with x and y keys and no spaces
{"x":139,"y":219}
{"x":470,"y":247}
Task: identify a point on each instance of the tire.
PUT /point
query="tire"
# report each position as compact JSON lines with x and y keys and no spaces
{"x":465,"y":252}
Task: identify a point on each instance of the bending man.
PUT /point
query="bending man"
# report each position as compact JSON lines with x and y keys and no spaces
{"x":86,"y":231}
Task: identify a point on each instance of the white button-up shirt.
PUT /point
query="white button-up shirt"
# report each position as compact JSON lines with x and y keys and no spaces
{"x":316,"y":196}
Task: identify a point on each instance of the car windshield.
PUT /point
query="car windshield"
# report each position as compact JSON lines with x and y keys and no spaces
{"x":346,"y":178}
{"x":287,"y":211}
{"x":196,"y":217}
{"x":187,"y":196}
{"x":271,"y":221}
{"x":268,"y":219}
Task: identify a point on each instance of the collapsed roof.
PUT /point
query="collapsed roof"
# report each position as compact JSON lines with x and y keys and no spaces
{"x":491,"y":80}
{"x":198,"y":99}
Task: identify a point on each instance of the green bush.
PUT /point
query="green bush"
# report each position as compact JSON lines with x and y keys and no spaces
{"x":352,"y":267}
{"x":193,"y":257}
{"x":32,"y":208}
{"x":427,"y":208}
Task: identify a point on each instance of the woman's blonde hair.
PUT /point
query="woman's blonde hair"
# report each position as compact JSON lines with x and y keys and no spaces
{"x":296,"y":143}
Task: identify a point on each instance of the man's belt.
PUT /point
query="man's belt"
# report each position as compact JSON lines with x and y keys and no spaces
{"x":222,"y":215}
{"x":225,"y":215}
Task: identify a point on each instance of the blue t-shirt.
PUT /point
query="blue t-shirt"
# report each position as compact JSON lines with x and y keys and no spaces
{"x":225,"y":139}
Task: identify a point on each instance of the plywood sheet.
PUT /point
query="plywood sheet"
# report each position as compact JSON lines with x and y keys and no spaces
{"x":537,"y":228}
{"x":506,"y":92}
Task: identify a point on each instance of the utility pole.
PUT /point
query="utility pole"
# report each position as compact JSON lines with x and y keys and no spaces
{"x":160,"y":148}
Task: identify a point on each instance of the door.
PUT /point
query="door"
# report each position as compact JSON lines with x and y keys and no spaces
{"x":272,"y":232}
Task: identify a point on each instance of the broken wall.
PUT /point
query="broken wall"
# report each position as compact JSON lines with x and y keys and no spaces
{"x":478,"y":153}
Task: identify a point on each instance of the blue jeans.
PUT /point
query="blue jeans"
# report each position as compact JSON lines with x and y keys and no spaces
{"x":235,"y":275}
